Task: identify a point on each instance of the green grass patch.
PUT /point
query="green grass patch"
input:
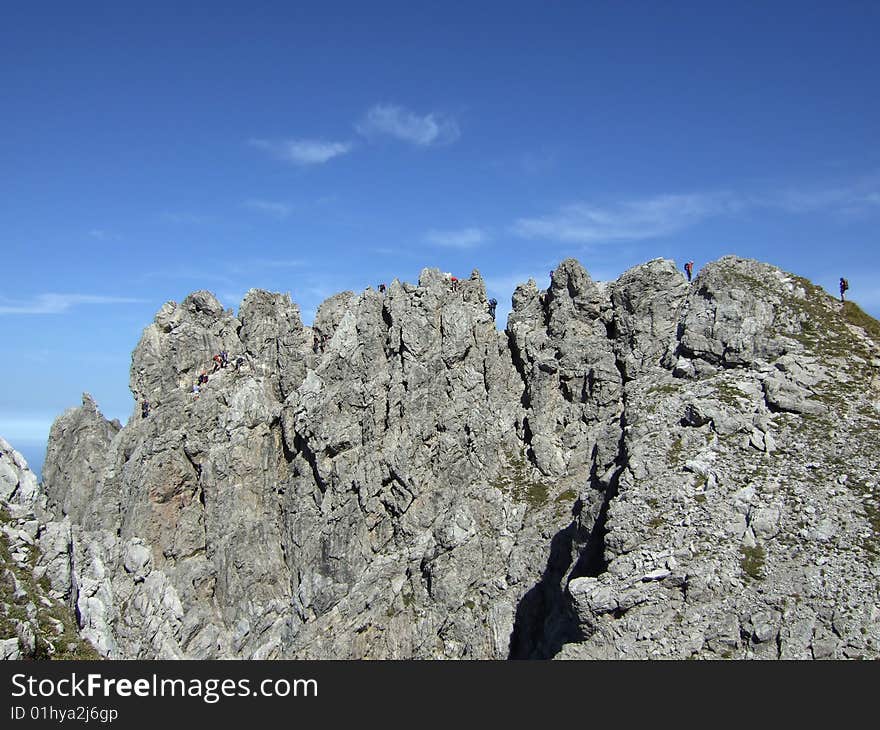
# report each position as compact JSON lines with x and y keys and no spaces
{"x":569,"y":495}
{"x":517,"y":478}
{"x":855,"y":315}
{"x":675,"y":451}
{"x":870,"y":500}
{"x":50,"y":644}
{"x":667,"y":389}
{"x":729,"y":394}
{"x":752,"y":561}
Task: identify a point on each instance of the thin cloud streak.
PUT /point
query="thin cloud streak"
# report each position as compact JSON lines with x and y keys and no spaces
{"x":844,"y":199}
{"x":100,"y":234}
{"x":61,"y":303}
{"x":276,"y":263}
{"x":507,"y":284}
{"x":302,"y":152}
{"x":464,"y":238}
{"x":184,"y":218}
{"x":401,"y":123}
{"x":663,"y":215}
{"x":269,"y":207}
{"x":632,"y":220}
{"x":259,"y":265}
{"x":187,"y":275}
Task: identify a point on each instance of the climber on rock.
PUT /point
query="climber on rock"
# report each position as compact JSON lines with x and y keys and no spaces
{"x":145,"y":409}
{"x":381,"y":288}
{"x":203,"y":378}
{"x":218,"y":363}
{"x":224,"y":358}
{"x":453,"y":280}
{"x":492,"y":304}
{"x":689,"y":269}
{"x":844,"y":285}
{"x":239,"y":361}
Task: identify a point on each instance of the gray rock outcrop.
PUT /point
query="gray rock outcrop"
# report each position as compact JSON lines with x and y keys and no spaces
{"x":635,"y":469}
{"x":36,"y":622}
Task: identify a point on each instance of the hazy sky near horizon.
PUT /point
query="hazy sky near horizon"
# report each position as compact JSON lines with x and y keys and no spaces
{"x":149,"y":151}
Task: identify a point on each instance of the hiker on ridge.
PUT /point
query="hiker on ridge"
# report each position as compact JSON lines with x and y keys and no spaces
{"x":844,"y":285}
{"x":689,"y":269}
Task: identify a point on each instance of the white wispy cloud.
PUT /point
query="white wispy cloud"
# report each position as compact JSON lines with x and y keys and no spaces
{"x":662,"y":215}
{"x":270,"y":207}
{"x":403,"y":124}
{"x":302,"y":151}
{"x":185,"y":218}
{"x":540,"y":161}
{"x":503,"y":285}
{"x":858,"y":197}
{"x":259,"y":265}
{"x":463,"y":238}
{"x":197,"y":276}
{"x":629,"y":220}
{"x":277,"y":263}
{"x":100,"y":234}
{"x":60,"y":303}
{"x":231,"y":298}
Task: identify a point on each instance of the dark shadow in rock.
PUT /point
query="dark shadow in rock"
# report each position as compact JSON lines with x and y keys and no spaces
{"x":543,"y":621}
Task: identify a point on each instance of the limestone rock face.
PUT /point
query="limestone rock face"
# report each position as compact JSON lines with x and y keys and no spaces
{"x":18,"y":484}
{"x":641,"y":468}
{"x":648,"y":302}
{"x":36,"y":621}
{"x":73,"y":470}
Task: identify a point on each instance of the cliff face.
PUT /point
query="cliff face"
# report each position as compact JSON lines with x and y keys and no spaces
{"x":35,"y":620}
{"x":646,"y":468}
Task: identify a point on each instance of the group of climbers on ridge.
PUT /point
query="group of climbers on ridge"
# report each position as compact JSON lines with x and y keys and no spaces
{"x":453,"y":282}
{"x":689,"y":270}
{"x":220,"y":361}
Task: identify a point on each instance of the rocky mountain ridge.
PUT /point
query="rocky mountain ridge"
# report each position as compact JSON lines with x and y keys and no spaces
{"x":635,"y":469}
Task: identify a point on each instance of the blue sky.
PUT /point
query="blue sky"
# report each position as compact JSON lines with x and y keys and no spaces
{"x":150,"y":151}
